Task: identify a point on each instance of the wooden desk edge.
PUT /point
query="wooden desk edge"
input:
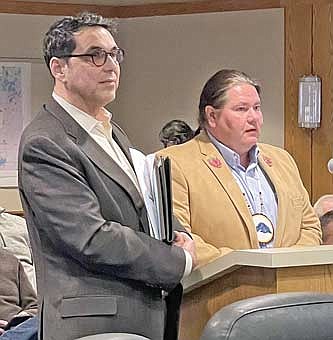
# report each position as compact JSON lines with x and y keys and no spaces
{"x":269,"y":258}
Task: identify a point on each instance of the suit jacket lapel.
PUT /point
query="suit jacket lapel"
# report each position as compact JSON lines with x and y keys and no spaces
{"x":215,"y":162}
{"x":96,"y":154}
{"x":123,"y":142}
{"x":267,"y":164}
{"x":119,"y":136}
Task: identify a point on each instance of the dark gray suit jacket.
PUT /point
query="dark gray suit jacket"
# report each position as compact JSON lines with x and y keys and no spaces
{"x":97,"y":269}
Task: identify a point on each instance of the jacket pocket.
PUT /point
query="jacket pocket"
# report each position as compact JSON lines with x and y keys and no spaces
{"x":88,"y":306}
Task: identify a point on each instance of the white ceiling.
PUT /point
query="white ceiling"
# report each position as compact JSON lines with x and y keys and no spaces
{"x":110,"y":2}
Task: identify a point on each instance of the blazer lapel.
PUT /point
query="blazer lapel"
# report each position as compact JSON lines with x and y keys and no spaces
{"x":111,"y":168}
{"x":268,"y":166}
{"x":95,"y":153}
{"x":220,"y":170}
{"x":120,"y":137}
{"x":124,"y":143}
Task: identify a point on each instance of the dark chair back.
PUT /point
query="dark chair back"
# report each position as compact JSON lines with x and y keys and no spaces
{"x":114,"y":336}
{"x":284,"y":316}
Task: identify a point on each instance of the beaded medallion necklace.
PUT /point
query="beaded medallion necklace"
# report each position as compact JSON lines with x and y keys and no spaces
{"x":263,"y":224}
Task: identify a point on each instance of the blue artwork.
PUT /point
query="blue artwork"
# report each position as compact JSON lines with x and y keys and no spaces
{"x":262,"y":227}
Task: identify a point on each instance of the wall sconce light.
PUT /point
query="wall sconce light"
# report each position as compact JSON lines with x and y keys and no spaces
{"x":309,"y":102}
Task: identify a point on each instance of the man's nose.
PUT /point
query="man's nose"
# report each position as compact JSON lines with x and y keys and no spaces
{"x":251,"y":114}
{"x":111,"y":62}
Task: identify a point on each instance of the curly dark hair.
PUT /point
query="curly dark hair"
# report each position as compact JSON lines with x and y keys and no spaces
{"x":59,"y":40}
{"x":175,"y":132}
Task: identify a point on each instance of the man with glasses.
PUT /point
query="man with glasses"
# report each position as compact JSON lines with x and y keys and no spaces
{"x":98,"y":269}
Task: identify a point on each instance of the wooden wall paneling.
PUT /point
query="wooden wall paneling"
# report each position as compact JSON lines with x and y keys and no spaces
{"x":298,"y":56}
{"x":194,"y":7}
{"x":203,"y":6}
{"x":42,"y":8}
{"x":322,"y":143}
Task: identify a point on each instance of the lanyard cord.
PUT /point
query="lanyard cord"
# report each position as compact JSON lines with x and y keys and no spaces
{"x":248,"y":203}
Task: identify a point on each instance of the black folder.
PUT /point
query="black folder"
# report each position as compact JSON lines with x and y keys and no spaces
{"x":162,"y":173}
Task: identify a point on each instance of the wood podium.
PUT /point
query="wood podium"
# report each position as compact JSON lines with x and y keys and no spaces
{"x":246,"y":273}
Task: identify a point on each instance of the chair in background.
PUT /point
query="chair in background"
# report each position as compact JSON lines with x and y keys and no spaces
{"x":284,"y":316}
{"x":14,"y":237}
{"x":114,"y":336}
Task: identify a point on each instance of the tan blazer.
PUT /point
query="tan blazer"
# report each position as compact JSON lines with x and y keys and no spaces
{"x":209,"y":203}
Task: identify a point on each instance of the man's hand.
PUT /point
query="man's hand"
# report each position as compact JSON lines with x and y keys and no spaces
{"x":184,"y":241}
{"x":3,"y":324}
{"x":179,"y":239}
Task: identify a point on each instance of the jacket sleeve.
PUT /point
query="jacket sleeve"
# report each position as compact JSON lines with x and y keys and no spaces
{"x":28,"y":296}
{"x":310,"y":233}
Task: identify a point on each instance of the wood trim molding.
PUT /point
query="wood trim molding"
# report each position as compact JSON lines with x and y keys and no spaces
{"x":322,"y":138}
{"x":202,"y":6}
{"x":298,"y":56}
{"x":43,"y":8}
{"x":16,"y":212}
{"x":194,"y":7}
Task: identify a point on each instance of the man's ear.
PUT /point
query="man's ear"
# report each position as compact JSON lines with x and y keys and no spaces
{"x":58,"y":68}
{"x":211,"y":116}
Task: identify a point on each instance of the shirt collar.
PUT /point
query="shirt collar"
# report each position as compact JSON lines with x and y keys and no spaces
{"x":231,"y":157}
{"x":88,"y":122}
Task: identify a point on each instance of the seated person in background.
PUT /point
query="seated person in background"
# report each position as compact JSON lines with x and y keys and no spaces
{"x":230,"y":191}
{"x":323,"y":205}
{"x":14,"y":237}
{"x":324,"y":210}
{"x":18,"y":301}
{"x":175,"y":132}
{"x":326,"y":222}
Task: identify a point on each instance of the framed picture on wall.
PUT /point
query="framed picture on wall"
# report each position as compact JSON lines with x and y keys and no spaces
{"x":15,"y":98}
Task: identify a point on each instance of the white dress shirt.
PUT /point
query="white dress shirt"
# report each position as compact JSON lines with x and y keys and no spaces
{"x":101,"y":132}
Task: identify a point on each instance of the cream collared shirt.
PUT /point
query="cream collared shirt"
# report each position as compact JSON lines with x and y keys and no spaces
{"x":101,"y":132}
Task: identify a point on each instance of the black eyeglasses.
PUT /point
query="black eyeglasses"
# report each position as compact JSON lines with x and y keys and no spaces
{"x":100,"y":56}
